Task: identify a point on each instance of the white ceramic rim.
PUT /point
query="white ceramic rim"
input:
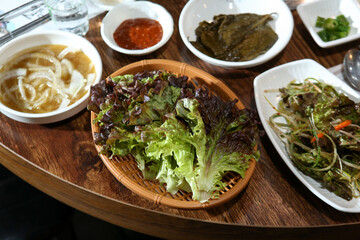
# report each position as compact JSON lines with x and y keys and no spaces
{"x":105,"y":6}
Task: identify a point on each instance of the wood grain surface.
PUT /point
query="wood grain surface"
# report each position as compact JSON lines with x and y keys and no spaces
{"x":60,"y":159}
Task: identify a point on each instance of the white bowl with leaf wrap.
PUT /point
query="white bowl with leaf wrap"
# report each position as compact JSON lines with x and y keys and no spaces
{"x":45,"y":77}
{"x":238,"y":33}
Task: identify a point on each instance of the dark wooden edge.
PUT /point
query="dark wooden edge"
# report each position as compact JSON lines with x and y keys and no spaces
{"x":151,"y":222}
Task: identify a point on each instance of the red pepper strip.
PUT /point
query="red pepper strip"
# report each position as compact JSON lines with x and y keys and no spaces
{"x":319,"y":135}
{"x":342,"y":125}
{"x":337,"y":128}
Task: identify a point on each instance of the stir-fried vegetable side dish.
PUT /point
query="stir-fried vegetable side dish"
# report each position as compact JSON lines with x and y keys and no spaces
{"x":322,"y":134}
{"x":186,"y":138}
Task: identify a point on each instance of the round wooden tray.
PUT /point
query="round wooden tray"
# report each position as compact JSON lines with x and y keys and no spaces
{"x":125,"y":169}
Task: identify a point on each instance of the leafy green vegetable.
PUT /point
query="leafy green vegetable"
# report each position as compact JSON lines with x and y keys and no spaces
{"x":333,"y":28}
{"x":185,"y":138}
{"x":318,"y":146}
{"x":235,"y":37}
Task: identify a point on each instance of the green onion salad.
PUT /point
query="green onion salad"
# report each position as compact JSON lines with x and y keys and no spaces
{"x":321,"y":132}
{"x":333,"y":28}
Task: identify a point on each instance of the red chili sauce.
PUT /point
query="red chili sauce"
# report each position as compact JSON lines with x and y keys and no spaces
{"x":138,"y":33}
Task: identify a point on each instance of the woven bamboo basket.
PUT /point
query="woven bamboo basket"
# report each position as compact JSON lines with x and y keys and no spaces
{"x":125,"y":169}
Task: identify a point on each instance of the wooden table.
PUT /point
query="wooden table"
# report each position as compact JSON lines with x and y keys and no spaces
{"x":60,"y":160}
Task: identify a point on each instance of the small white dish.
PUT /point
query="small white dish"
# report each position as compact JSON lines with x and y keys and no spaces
{"x":309,"y":12}
{"x":279,"y":77}
{"x":136,"y":9}
{"x":107,"y":4}
{"x":42,"y":38}
{"x":195,"y":12}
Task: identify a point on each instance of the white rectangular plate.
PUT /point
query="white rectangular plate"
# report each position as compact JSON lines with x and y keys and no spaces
{"x":280,"y":77}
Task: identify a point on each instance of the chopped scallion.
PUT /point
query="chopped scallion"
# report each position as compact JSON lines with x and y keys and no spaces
{"x":333,"y":28}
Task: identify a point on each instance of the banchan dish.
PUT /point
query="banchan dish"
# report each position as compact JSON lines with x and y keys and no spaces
{"x":32,"y":40}
{"x":125,"y":168}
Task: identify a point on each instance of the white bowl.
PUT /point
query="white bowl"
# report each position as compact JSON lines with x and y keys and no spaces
{"x":309,"y":12}
{"x":139,"y":9}
{"x":279,"y":77}
{"x":197,"y":11}
{"x":50,"y":37}
{"x":107,"y":4}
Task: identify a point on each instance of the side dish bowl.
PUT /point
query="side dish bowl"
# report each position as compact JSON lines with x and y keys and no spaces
{"x":43,"y":38}
{"x":195,"y":12}
{"x":309,"y":12}
{"x":106,"y":4}
{"x":279,"y":77}
{"x":136,"y":9}
{"x":125,"y":168}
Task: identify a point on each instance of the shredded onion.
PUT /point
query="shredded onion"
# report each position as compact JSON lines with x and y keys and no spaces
{"x":12,"y":73}
{"x":8,"y":92}
{"x":47,"y":57}
{"x":65,"y":102}
{"x":66,"y":67}
{"x":67,"y":50}
{"x":90,"y":79}
{"x":42,"y":99}
{"x":38,"y":67}
{"x":21,"y":88}
{"x":47,"y":51}
{"x":48,"y":74}
{"x":32,"y":91}
{"x":77,"y":82}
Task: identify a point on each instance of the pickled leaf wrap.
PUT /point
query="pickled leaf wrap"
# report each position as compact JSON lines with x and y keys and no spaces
{"x":237,"y":37}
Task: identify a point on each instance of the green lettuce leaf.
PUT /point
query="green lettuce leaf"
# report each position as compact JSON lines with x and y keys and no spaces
{"x":216,"y":153}
{"x":185,"y":139}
